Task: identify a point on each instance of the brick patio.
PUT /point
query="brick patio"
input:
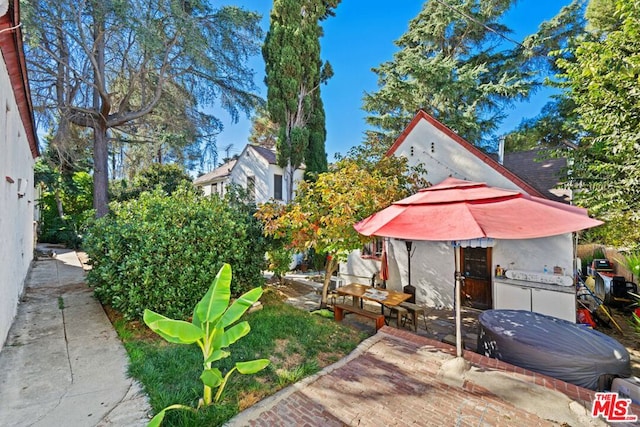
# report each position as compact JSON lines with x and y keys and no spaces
{"x":395,"y":378}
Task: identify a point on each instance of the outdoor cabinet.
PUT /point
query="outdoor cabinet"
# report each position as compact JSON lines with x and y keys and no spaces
{"x":512,"y":297}
{"x":556,"y":303}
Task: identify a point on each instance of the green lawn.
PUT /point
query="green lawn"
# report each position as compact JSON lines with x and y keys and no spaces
{"x":296,"y":342}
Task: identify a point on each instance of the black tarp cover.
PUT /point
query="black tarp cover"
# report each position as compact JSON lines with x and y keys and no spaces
{"x":551,"y":346}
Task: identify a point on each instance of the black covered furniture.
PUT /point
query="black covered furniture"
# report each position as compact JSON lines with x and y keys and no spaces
{"x":554,"y":347}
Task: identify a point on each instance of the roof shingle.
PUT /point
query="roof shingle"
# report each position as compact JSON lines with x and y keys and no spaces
{"x":218,"y":172}
{"x":537,"y":169}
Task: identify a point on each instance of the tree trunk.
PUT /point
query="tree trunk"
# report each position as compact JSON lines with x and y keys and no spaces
{"x":289,"y":174}
{"x":101,"y":106}
{"x":100,"y":171}
{"x":330,"y":267}
{"x":59,"y":203}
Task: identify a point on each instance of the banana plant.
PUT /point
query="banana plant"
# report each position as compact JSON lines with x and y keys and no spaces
{"x":212,"y":329}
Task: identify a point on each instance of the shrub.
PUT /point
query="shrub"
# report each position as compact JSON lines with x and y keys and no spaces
{"x":632,"y":262}
{"x":167,"y":176}
{"x":162,"y":252}
{"x":279,"y":261}
{"x":69,"y":195}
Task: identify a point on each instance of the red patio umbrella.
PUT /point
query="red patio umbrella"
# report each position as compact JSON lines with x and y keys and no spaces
{"x":457,"y":210}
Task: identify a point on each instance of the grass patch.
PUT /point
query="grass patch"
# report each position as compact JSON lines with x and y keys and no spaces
{"x":297,"y":343}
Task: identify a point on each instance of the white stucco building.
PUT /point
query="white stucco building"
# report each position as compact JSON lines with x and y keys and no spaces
{"x":445,"y":154}
{"x":18,"y":150}
{"x":256,"y":170}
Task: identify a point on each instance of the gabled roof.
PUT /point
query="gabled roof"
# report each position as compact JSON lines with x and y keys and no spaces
{"x":542,"y":173}
{"x":269,"y":155}
{"x":216,"y":174}
{"x":13,"y":53}
{"x":225,"y":170}
{"x":486,"y":158}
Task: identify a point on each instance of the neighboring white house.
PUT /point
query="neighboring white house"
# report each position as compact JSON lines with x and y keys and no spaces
{"x":256,"y":170}
{"x":445,"y":154}
{"x":216,"y":181}
{"x":18,"y":150}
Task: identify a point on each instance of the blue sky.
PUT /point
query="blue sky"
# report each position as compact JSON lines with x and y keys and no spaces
{"x":361,"y":37}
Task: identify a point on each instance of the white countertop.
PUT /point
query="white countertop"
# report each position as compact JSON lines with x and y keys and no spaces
{"x":536,"y":285}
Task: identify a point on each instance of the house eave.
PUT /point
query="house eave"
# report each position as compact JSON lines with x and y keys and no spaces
{"x":13,"y":52}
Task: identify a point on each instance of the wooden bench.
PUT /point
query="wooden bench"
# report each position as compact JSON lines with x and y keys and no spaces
{"x":339,"y":311}
{"x":414,"y":309}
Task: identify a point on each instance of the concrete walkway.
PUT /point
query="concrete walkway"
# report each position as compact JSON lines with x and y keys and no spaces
{"x":62,"y":363}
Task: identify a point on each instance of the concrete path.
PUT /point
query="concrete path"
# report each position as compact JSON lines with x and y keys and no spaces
{"x":63,"y":364}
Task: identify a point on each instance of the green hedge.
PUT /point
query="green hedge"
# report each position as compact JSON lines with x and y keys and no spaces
{"x":74,"y":193}
{"x":162,"y":252}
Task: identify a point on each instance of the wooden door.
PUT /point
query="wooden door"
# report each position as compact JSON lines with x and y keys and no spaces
{"x":476,"y":269}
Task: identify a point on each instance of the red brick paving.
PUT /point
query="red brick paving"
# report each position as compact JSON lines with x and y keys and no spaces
{"x":395,"y":384}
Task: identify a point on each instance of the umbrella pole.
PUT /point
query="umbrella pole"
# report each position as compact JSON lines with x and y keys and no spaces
{"x":408,"y":243}
{"x":457,"y":302}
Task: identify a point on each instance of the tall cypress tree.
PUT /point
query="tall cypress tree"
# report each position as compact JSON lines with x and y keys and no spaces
{"x":294,"y":72}
{"x":316,"y":156}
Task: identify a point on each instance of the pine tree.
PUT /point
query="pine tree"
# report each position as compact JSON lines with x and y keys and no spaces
{"x":458,"y":63}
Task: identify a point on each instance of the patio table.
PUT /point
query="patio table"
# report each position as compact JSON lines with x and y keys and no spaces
{"x":384,"y":297}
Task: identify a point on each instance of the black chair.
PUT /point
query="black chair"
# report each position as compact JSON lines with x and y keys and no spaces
{"x":620,"y":289}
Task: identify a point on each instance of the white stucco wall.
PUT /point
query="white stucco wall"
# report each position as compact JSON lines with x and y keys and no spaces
{"x":16,"y":213}
{"x":432,"y":264}
{"x":220,"y":187}
{"x":549,"y":251}
{"x":251,"y":163}
{"x":298,"y":176}
{"x":443,"y":157}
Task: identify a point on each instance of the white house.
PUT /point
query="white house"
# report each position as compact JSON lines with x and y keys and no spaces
{"x":445,"y":154}
{"x":18,"y":150}
{"x":256,"y":170}
{"x":216,"y":181}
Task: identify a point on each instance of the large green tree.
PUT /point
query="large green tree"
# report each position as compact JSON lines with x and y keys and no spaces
{"x":555,"y":127}
{"x":604,"y":84}
{"x":294,"y":72}
{"x":103,"y":65}
{"x":175,"y":131}
{"x":169,"y":177}
{"x":316,"y":156}
{"x":458,"y":63}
